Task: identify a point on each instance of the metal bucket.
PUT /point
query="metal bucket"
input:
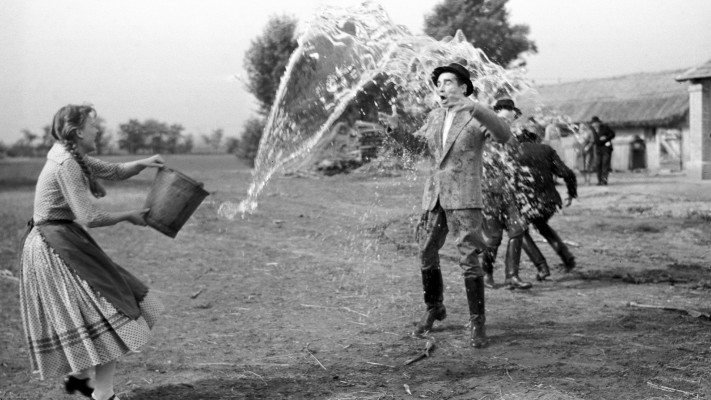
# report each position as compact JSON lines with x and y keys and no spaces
{"x":173,"y":198}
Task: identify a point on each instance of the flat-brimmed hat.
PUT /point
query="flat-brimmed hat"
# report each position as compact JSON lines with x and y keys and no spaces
{"x":595,"y":119}
{"x":456,"y":69}
{"x":506,"y":104}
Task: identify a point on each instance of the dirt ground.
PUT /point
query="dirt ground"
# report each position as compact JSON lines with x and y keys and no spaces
{"x":314,"y":295}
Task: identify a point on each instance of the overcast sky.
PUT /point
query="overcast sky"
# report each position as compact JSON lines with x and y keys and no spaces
{"x":175,"y":60}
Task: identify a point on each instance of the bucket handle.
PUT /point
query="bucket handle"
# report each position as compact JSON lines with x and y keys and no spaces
{"x":182,"y":175}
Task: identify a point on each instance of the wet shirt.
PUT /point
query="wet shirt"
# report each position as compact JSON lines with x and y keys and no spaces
{"x":454,"y":181}
{"x":448,"y":119}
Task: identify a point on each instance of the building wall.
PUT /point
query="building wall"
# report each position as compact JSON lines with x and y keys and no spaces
{"x":621,"y":149}
{"x":685,"y":146}
{"x":699,"y":149}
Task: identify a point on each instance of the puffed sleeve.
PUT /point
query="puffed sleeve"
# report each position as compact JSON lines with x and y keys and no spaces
{"x":75,"y":189}
{"x":106,"y":170}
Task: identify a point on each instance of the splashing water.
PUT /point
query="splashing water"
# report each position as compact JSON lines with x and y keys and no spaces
{"x":342,"y":52}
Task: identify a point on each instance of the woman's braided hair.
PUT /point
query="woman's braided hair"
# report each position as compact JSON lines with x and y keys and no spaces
{"x":65,"y":127}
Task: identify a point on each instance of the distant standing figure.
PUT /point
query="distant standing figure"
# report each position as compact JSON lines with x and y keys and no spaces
{"x":603,"y":149}
{"x":638,"y":154}
{"x":585,"y":150}
{"x":554,"y":139}
{"x":80,"y":310}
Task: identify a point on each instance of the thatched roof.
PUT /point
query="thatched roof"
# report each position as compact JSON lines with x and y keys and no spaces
{"x":638,"y":100}
{"x":700,"y":72}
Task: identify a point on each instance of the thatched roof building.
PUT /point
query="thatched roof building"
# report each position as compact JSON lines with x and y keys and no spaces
{"x":652,"y":99}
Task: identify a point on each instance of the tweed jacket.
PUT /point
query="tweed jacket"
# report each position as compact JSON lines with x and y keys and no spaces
{"x":455,"y":176}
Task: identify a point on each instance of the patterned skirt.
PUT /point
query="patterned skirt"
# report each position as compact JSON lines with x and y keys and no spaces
{"x":68,"y":325}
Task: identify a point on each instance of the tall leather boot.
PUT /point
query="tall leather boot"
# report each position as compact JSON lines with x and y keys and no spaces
{"x":487,"y":264}
{"x":536,"y":257}
{"x":557,"y":243}
{"x":434,"y":299}
{"x":477,"y":311}
{"x":513,"y":259}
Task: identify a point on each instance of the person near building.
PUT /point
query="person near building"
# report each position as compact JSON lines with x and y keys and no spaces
{"x":584,"y":150}
{"x":638,"y":154}
{"x":603,"y":149}
{"x":554,"y":137}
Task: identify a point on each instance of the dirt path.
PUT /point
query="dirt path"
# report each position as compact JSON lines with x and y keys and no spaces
{"x":313,"y":296}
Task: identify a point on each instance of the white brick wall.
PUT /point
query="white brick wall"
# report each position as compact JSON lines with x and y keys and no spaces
{"x":699,"y":166}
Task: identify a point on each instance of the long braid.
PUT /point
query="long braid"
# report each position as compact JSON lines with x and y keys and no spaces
{"x":65,"y":125}
{"x":94,"y":186}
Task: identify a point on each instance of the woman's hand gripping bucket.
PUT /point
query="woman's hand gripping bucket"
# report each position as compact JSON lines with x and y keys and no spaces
{"x":173,"y":198}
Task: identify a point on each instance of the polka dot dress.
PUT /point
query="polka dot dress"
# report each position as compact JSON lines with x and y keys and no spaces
{"x":70,"y":327}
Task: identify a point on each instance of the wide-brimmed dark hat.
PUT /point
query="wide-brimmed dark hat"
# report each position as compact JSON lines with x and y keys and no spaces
{"x":456,"y":69}
{"x":506,"y":104}
{"x":595,"y":119}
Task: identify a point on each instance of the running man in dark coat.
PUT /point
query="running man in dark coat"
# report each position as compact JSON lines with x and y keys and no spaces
{"x":603,"y":149}
{"x":544,"y":164}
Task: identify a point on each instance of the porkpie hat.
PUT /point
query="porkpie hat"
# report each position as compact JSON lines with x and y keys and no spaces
{"x":456,"y":69}
{"x":506,"y":104}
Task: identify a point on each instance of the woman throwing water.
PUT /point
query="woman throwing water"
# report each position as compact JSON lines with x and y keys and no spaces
{"x":80,"y":310}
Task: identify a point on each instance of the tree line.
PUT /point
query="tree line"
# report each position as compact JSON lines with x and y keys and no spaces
{"x":484,"y":22}
{"x":132,"y":137}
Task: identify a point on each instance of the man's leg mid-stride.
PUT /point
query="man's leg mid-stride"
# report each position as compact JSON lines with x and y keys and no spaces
{"x":431,"y":236}
{"x":468,"y":229}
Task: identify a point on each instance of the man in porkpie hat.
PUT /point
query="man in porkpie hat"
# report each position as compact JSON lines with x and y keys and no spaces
{"x":453,"y":135}
{"x":603,"y":149}
{"x":501,"y":211}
